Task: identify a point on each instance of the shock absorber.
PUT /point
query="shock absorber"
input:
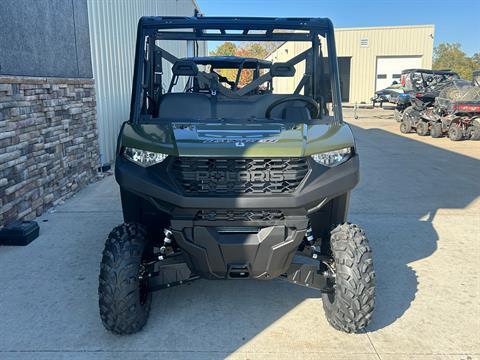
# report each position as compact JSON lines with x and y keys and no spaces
{"x":168,"y":236}
{"x":309,"y":235}
{"x":165,"y":249}
{"x":310,"y":241}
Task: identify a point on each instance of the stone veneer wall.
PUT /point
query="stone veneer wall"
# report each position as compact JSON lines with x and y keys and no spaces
{"x":48,"y":143}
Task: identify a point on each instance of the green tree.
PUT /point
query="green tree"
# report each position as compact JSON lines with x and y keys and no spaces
{"x":225,"y":49}
{"x":258,"y":50}
{"x":450,"y":56}
{"x":476,"y":60}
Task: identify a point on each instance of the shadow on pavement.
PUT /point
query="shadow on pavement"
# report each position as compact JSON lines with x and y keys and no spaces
{"x":404,"y":182}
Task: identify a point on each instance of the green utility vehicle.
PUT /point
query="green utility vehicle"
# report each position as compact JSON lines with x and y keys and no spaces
{"x":243,"y":177}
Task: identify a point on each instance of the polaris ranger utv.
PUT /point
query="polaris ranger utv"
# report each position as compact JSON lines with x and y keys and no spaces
{"x":423,"y":86}
{"x":221,"y":179}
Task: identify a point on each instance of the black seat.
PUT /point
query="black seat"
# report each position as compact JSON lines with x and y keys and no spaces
{"x":255,"y":106}
{"x":185,"y":106}
{"x":204,"y":106}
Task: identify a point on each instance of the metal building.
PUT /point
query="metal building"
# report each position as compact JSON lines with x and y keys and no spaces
{"x":113,"y":30}
{"x":369,"y":58}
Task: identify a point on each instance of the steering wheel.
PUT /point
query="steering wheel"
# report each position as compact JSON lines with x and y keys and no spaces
{"x":312,"y":105}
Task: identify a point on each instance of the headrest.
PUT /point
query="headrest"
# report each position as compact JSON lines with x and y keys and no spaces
{"x":185,"y":68}
{"x":282,"y":70}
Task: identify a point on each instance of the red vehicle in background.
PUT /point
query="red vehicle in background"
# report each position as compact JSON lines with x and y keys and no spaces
{"x":456,"y":111}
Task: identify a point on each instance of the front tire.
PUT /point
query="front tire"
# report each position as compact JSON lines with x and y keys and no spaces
{"x":405,"y":126}
{"x":411,"y":114}
{"x":350,"y":307}
{"x":422,"y":128}
{"x":124,"y":299}
{"x":455,"y":133}
{"x":436,"y":131}
{"x":475,"y":130}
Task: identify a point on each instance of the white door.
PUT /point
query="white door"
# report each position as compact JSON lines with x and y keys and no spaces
{"x":390,"y":68}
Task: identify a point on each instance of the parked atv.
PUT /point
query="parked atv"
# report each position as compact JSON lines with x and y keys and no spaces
{"x":387,"y":95}
{"x":456,"y":112}
{"x":423,"y":86}
{"x":402,"y":102}
{"x":223,"y":180}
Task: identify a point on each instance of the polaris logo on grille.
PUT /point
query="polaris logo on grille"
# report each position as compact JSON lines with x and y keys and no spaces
{"x":243,"y":176}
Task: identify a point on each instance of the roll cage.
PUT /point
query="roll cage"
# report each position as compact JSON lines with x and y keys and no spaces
{"x":232,"y":62}
{"x":423,"y":79}
{"x":320,"y":81}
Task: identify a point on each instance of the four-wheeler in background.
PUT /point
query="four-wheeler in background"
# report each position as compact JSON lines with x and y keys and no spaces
{"x":423,"y":86}
{"x":388,"y":95}
{"x":402,"y":101}
{"x":222,"y":179}
{"x":456,"y":111}
{"x":414,"y":82}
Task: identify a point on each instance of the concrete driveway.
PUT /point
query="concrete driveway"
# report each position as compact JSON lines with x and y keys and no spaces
{"x":418,"y":201}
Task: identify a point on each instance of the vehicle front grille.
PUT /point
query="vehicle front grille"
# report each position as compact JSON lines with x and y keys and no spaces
{"x":210,"y":176}
{"x":239,"y":215}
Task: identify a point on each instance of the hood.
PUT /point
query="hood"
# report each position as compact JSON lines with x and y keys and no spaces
{"x":248,"y":139}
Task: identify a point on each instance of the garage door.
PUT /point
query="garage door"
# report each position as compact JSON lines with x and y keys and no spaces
{"x":390,"y":68}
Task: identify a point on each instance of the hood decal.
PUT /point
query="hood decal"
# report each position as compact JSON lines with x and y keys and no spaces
{"x":238,"y":140}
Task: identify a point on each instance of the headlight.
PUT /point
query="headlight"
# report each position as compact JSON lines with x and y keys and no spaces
{"x":333,"y":158}
{"x":143,"y":157}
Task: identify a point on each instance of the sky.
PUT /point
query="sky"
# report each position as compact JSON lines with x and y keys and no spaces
{"x":454,"y":20}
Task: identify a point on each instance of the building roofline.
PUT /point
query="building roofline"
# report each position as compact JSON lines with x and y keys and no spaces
{"x":385,"y":27}
{"x":367,"y":28}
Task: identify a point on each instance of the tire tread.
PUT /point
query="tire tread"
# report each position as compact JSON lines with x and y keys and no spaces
{"x":120,"y":308}
{"x":354,"y":299}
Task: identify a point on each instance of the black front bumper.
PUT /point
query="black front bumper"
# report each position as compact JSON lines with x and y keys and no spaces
{"x":237,"y":248}
{"x":157,"y":185}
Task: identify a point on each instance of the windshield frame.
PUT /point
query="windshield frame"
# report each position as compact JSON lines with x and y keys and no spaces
{"x":238,"y":29}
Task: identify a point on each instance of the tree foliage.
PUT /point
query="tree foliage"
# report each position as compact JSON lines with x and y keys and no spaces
{"x":225,"y":49}
{"x":450,"y":56}
{"x":250,"y":49}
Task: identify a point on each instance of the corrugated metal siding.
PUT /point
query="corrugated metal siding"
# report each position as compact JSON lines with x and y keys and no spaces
{"x":113,"y":30}
{"x":382,"y":41}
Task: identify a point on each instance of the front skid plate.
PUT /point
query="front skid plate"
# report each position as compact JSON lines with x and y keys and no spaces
{"x":214,"y":253}
{"x":178,"y":273}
